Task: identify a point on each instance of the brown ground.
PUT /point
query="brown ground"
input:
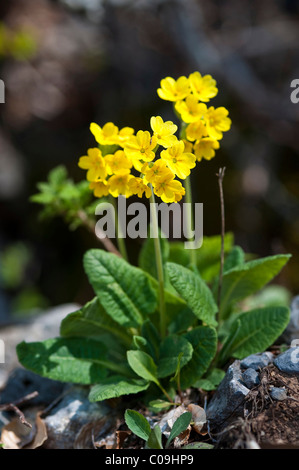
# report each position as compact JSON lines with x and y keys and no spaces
{"x":272,"y":424}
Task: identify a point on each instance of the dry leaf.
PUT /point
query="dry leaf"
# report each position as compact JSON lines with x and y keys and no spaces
{"x":121,"y":436}
{"x":91,"y":432}
{"x":15,"y":435}
{"x":183,"y":438}
{"x":198,"y":416}
{"x":41,"y":433}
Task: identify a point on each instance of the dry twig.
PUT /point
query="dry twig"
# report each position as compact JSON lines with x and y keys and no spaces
{"x":14,"y":407}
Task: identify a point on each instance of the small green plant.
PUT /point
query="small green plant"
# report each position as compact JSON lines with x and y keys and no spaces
{"x":60,"y":196}
{"x":18,"y":44}
{"x":174,"y":321}
{"x":140,"y":426}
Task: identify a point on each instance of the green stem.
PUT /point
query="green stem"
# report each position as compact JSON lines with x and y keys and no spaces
{"x":190,"y":218}
{"x":120,"y":240}
{"x":159,"y":265}
{"x":166,"y":394}
{"x":220,"y":182}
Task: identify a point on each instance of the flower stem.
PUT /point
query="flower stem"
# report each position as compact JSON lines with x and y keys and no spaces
{"x":220,"y":176}
{"x":118,"y":229}
{"x":166,"y":394}
{"x":190,"y":218}
{"x":159,"y":265}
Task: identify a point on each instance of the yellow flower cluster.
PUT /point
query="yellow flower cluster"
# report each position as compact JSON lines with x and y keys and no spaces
{"x":120,"y":151}
{"x":204,"y":125}
{"x":112,"y":172}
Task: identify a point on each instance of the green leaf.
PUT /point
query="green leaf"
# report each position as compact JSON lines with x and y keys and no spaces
{"x":208,"y":256}
{"x":235,"y":258}
{"x":198,"y":445}
{"x":204,"y":342}
{"x":155,"y":438}
{"x":179,"y":315}
{"x":147,"y":255}
{"x":183,"y":319}
{"x":258,"y":330}
{"x":143,"y":365}
{"x":178,"y":367}
{"x":139,"y":342}
{"x":58,"y":175}
{"x":124,"y":291}
{"x":116,"y":386}
{"x":43,"y":198}
{"x":92,"y":321}
{"x":151,"y":334}
{"x":138,"y":424}
{"x":171,"y":347}
{"x":66,"y":359}
{"x":160,"y":405}
{"x":178,"y":254}
{"x":232,"y":333}
{"x":245,"y":280}
{"x":69,"y":192}
{"x":194,"y":291}
{"x":211,"y":381}
{"x":180,"y":425}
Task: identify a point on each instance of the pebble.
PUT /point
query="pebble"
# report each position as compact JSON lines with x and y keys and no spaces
{"x":69,"y":416}
{"x":291,"y":332}
{"x":257,"y":361}
{"x":21,"y":382}
{"x":288,"y":361}
{"x":278,"y":394}
{"x":250,"y":377}
{"x":229,"y":398}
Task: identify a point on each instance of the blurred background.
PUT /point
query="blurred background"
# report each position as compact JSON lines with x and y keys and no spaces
{"x":66,"y":63}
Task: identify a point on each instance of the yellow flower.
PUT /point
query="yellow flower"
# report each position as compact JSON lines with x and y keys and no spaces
{"x":180,"y":192}
{"x":95,"y":164}
{"x":100,"y":188}
{"x":174,"y":90}
{"x":106,"y":135}
{"x":137,"y":186}
{"x":163,"y":131}
{"x":124,"y":135}
{"x":196,"y":130}
{"x":203,"y":87}
{"x":205,"y":148}
{"x":118,"y":163}
{"x":188,"y":146}
{"x":154,"y":171}
{"x":190,"y":109}
{"x":179,"y":162}
{"x":119,"y":184}
{"x":169,"y":189}
{"x":217,"y":122}
{"x":140,"y":147}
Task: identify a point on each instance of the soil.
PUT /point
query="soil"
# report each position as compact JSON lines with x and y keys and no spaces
{"x":270,"y":423}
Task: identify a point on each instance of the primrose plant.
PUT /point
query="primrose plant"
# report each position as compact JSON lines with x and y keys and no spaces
{"x":140,"y":426}
{"x":174,"y":321}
